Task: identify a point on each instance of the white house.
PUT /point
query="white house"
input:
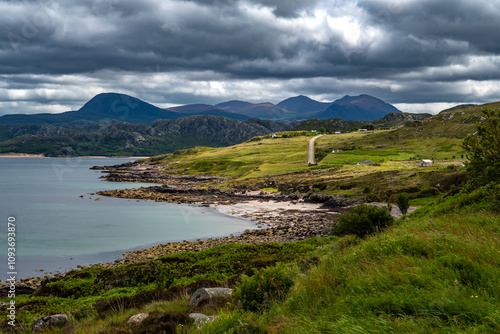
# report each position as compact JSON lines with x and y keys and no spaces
{"x":425,"y":163}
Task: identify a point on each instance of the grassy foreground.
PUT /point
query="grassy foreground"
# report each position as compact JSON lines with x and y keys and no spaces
{"x":436,"y":271}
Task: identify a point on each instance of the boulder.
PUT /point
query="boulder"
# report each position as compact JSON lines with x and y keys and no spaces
{"x":137,"y":318}
{"x":201,"y":319}
{"x":205,"y":294}
{"x":367,"y":162}
{"x":39,"y":324}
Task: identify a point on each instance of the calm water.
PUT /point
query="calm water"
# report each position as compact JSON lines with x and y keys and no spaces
{"x":57,"y":230}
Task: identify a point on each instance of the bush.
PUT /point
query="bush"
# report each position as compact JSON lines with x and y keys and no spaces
{"x":258,"y":292}
{"x":403,"y":203}
{"x":363,"y":219}
{"x":483,"y":150}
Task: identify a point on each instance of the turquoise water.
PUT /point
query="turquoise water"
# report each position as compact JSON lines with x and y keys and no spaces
{"x":56,"y":229}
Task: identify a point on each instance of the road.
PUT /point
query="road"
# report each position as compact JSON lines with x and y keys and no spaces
{"x":311,"y":149}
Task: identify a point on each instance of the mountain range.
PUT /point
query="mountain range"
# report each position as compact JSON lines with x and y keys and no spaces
{"x":111,"y":137}
{"x":124,"y":108}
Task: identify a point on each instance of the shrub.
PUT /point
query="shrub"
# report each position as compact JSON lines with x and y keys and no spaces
{"x":483,"y":150}
{"x":403,"y":203}
{"x":363,"y":219}
{"x":258,"y":292}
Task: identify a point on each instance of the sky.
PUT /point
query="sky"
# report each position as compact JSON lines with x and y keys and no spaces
{"x":419,"y":55}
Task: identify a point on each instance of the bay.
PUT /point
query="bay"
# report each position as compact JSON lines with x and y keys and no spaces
{"x":57,"y":229}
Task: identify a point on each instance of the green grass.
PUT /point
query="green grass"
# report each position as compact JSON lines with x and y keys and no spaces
{"x":435,"y":271}
{"x":271,"y":162}
{"x":78,"y":293}
{"x":432,"y":273}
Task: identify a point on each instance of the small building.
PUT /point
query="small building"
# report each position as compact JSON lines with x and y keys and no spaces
{"x":337,"y":132}
{"x":274,"y":135}
{"x":364,"y":130}
{"x":425,"y":163}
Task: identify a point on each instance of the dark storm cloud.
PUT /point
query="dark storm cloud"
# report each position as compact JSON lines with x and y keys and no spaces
{"x":471,"y":22}
{"x":401,"y":50}
{"x":281,"y":8}
{"x":233,"y":37}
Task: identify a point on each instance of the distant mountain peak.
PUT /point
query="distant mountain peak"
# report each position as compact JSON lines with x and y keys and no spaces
{"x":361,"y":107}
{"x":303,"y":105}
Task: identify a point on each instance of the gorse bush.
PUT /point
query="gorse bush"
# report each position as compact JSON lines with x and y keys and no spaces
{"x":362,"y":220}
{"x":258,"y":292}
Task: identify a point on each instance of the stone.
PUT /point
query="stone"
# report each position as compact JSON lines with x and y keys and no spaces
{"x":205,"y":294}
{"x":201,"y":319}
{"x":39,"y":324}
{"x":137,"y":318}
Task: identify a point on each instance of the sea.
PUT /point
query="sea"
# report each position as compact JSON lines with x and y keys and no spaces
{"x":60,"y":222}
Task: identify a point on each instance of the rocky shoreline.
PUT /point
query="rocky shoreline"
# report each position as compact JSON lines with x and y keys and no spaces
{"x":281,"y":218}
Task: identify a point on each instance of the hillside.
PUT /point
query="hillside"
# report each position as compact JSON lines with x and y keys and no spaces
{"x":337,"y":124}
{"x":331,"y":125}
{"x":122,"y":139}
{"x":281,"y":163}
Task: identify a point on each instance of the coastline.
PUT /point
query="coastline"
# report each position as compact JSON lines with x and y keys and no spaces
{"x":277,"y":221}
{"x":279,"y":218}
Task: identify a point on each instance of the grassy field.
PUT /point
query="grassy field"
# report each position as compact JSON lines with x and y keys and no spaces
{"x":281,"y":163}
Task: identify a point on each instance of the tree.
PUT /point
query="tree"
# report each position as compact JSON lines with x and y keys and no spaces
{"x":403,"y":203}
{"x":483,"y":150}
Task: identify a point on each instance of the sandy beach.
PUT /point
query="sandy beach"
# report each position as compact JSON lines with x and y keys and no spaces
{"x":22,"y":155}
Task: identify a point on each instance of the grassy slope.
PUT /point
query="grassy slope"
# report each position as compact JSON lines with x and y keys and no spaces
{"x":437,"y":271}
{"x":269,"y":162}
{"x":90,"y":294}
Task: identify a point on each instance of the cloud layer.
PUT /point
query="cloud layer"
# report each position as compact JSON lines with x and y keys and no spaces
{"x":420,"y":54}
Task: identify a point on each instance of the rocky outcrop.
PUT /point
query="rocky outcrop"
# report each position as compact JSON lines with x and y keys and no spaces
{"x":40,"y":324}
{"x":203,"y":295}
{"x":137,"y":319}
